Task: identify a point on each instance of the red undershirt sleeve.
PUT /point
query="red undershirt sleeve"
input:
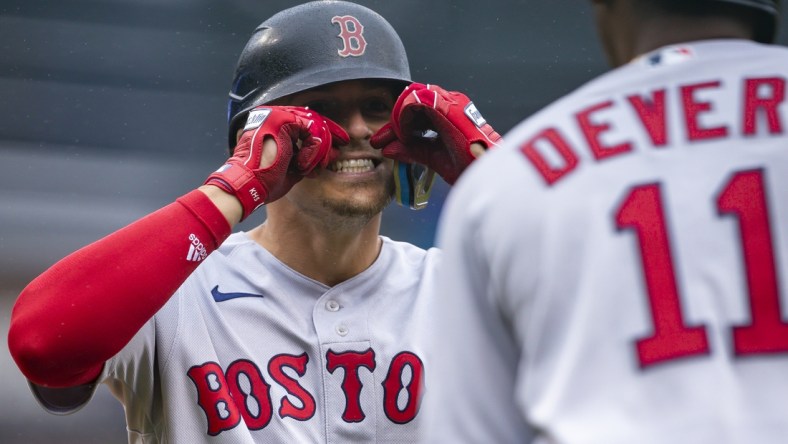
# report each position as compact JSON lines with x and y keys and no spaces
{"x":84,"y":309}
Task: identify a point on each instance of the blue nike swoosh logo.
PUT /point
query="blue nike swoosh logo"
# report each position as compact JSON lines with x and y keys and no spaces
{"x":218,"y":296}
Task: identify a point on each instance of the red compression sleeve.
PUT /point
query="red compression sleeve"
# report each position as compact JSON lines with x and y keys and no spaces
{"x":88,"y":306}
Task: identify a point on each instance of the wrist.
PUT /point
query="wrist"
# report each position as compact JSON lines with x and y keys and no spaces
{"x":227,"y":203}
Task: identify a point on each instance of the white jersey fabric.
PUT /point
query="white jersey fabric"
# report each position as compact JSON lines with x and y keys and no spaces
{"x":616,"y":272}
{"x":248,"y":350}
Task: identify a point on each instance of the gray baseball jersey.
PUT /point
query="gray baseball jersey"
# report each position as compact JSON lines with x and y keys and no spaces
{"x":248,"y":350}
{"x":616,"y":272}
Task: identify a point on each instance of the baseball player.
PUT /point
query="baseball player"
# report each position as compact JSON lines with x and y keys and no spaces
{"x":307,"y":328}
{"x":617,"y":271}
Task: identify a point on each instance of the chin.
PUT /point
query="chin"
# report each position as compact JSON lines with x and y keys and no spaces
{"x":338,"y":201}
{"x":360,"y":203}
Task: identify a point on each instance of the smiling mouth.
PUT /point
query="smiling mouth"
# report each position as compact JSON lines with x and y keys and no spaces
{"x":353,"y":166}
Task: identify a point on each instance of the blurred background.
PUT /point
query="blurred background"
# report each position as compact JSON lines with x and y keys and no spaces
{"x":110,"y":109}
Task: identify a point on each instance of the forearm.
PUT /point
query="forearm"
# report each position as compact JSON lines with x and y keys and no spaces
{"x":86,"y":307}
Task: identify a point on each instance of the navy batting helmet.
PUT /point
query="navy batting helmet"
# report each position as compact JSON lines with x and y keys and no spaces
{"x":770,"y":6}
{"x":309,"y":45}
{"x":769,"y":10}
{"x":761,"y":15}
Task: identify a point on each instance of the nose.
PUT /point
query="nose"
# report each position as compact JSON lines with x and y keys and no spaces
{"x":357,"y":126}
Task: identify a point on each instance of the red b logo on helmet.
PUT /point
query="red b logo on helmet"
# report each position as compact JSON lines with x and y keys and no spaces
{"x":351,"y":31}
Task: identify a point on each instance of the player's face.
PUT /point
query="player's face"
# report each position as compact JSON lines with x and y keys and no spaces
{"x":360,"y":182}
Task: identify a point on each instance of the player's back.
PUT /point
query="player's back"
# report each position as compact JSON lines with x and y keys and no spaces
{"x":649,"y":274}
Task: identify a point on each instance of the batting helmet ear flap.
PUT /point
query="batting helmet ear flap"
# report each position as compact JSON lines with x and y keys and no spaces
{"x":310,"y":45}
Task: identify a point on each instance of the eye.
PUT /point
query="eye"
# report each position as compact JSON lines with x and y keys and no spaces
{"x":326,"y":108}
{"x":378,"y":107}
{"x":317,"y":106}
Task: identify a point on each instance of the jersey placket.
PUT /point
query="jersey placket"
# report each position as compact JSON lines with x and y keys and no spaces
{"x":348,"y":363}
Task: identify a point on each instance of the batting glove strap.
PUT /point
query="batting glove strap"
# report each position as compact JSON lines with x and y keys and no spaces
{"x":242,"y":183}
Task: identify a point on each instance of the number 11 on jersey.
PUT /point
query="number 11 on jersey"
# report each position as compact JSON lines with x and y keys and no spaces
{"x":744,"y":198}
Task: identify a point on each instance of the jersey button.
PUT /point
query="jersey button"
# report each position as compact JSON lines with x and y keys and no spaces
{"x":332,"y":305}
{"x":342,"y":330}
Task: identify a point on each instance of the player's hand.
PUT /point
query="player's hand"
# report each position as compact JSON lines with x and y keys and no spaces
{"x":303,"y":142}
{"x":436,"y":128}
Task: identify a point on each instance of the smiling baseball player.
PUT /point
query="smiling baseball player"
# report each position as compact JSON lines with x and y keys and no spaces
{"x":308,"y":328}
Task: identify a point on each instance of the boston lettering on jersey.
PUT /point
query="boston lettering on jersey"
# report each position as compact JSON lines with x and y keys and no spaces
{"x":226,"y":402}
{"x":554,"y":157}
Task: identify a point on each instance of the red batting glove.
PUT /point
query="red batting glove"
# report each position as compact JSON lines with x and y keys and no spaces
{"x":254,"y":186}
{"x":423,"y":110}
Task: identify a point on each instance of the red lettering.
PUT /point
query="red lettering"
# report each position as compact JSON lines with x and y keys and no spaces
{"x":642,"y":212}
{"x":241,"y":393}
{"x":744,"y":198}
{"x":351,"y":384}
{"x":393,"y":385}
{"x":351,"y":31}
{"x":298,"y":364}
{"x":214,"y":397}
{"x":550,"y":139}
{"x":593,"y":131}
{"x":693,"y":108}
{"x":755,"y":99}
{"x":651,"y":111}
{"x":259,"y":393}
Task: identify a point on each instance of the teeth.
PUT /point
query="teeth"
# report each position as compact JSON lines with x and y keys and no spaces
{"x":353,"y":166}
